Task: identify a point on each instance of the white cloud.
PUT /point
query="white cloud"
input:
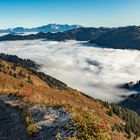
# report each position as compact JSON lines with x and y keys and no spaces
{"x":2,"y":34}
{"x":95,"y":71}
{"x":25,"y":33}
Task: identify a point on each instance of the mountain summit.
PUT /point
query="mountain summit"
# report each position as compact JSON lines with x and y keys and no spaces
{"x":44,"y":28}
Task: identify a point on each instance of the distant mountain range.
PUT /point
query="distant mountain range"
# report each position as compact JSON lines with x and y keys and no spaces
{"x":117,"y":38}
{"x":80,"y":34}
{"x":45,"y":28}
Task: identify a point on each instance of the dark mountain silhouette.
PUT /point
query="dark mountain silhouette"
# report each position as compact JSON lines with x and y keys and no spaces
{"x":133,"y":101}
{"x":131,"y":86}
{"x":120,"y":38}
{"x":117,"y":38}
{"x":81,"y":34}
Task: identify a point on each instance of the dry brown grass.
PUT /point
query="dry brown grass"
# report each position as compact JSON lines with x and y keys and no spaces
{"x":74,"y":102}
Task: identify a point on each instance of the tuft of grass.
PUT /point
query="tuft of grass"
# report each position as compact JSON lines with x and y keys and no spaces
{"x":28,"y":120}
{"x":32,"y":129}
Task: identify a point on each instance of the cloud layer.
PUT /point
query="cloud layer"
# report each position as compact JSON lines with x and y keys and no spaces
{"x":95,"y":71}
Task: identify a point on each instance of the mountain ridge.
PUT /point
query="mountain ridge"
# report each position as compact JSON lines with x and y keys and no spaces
{"x":44,"y":28}
{"x":116,"y":38}
{"x":120,"y":38}
{"x":80,"y":34}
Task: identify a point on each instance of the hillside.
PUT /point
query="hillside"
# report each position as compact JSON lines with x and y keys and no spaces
{"x":120,"y":38}
{"x":48,"y":109}
{"x":133,"y":101}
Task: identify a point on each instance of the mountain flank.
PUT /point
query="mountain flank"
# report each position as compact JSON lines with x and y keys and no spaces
{"x":133,"y":101}
{"x":120,"y":38}
{"x":56,"y":111}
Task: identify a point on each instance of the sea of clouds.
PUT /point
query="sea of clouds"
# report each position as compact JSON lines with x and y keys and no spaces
{"x":24,"y":33}
{"x":92,"y":70}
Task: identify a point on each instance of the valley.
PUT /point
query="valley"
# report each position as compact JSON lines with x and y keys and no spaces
{"x":93,"y":70}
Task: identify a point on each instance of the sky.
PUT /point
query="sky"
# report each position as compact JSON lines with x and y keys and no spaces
{"x":31,"y":13}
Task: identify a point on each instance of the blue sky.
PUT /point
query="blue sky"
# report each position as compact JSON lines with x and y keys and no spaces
{"x":29,"y":13}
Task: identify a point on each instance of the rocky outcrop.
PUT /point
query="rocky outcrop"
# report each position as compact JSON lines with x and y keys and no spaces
{"x":52,"y":122}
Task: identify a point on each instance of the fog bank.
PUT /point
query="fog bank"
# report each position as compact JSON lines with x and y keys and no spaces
{"x":95,"y":71}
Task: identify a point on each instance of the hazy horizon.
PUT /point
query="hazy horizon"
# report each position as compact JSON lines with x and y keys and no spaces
{"x":66,"y":24}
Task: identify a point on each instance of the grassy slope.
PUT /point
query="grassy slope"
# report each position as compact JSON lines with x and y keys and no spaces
{"x":90,"y":116}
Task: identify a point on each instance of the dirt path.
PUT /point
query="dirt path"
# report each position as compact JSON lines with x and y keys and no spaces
{"x":11,"y":124}
{"x":52,"y":121}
